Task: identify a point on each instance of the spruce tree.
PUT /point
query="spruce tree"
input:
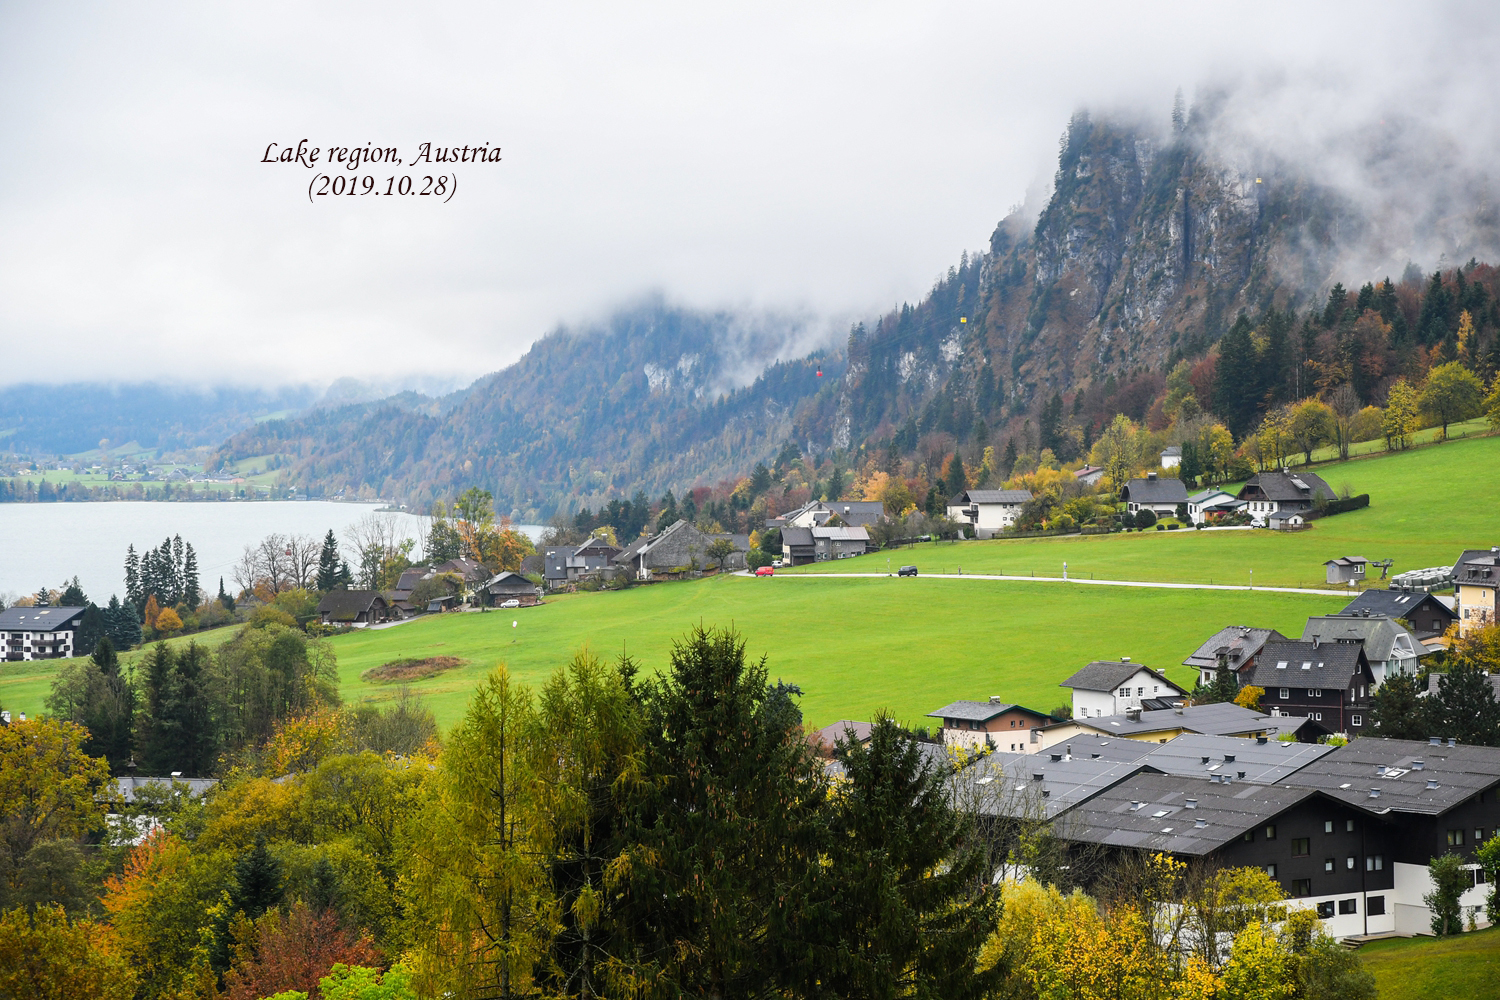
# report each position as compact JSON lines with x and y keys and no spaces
{"x":727,"y":833}
{"x":133,"y":579}
{"x":1464,"y":707}
{"x":1399,"y":713}
{"x":328,"y":563}
{"x":914,"y":895}
{"x":258,"y":883}
{"x":72,"y":595}
{"x":955,"y":479}
{"x":192,"y":590}
{"x":224,"y":598}
{"x":91,"y":629}
{"x":1235,"y":395}
{"x":110,"y":719}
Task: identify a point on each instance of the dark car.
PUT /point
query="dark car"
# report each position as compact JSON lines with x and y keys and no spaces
{"x":907,"y":571}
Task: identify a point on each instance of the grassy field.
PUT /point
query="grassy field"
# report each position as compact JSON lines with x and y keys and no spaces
{"x":1424,"y":968}
{"x":1426,"y":506}
{"x":854,"y":646}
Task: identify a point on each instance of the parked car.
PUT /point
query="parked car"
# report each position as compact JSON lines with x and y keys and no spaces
{"x":765,"y":571}
{"x":777,"y":563}
{"x":907,"y":571}
{"x":512,"y":603}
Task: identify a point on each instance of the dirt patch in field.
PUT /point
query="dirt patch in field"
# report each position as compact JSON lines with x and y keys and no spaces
{"x":411,"y":670}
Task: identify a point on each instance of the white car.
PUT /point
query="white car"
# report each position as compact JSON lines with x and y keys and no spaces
{"x":512,"y":603}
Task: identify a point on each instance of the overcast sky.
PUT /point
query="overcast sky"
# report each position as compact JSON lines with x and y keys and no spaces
{"x":830,"y":159}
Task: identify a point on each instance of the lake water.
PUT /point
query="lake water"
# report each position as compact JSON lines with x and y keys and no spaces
{"x":47,"y":543}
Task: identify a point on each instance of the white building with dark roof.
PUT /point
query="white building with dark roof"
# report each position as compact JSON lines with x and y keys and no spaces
{"x":39,"y":633}
{"x":1111,"y":687}
{"x":988,"y":512}
{"x":1160,"y":495}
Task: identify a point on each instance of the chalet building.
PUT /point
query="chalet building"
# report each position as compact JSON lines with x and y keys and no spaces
{"x":1328,"y":682}
{"x":1089,"y":475}
{"x":40,"y":633}
{"x":1206,"y":506}
{"x":565,"y":564}
{"x":1346,"y":569}
{"x":975,"y":724}
{"x":1476,"y":576}
{"x":1283,"y":493}
{"x":1388,"y":645}
{"x":1329,"y":855}
{"x":1425,"y":615}
{"x":1161,"y":496}
{"x":509,"y":586}
{"x":359,"y":608}
{"x":988,"y":512}
{"x":1232,"y":648}
{"x":1109,"y":687}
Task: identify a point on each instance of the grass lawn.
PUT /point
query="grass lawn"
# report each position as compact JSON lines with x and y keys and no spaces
{"x":1426,"y":506}
{"x":854,"y":646}
{"x":24,"y":686}
{"x":1424,"y":968}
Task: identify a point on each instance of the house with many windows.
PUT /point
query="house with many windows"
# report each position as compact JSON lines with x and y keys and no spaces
{"x":1234,"y":648}
{"x":1110,"y":687}
{"x":40,"y":633}
{"x":974,"y":724}
{"x":1388,"y":645}
{"x":988,"y":512}
{"x":1476,"y":576}
{"x":1425,"y":615}
{"x":1328,"y":682}
{"x":1161,"y":496}
{"x":1283,"y":493}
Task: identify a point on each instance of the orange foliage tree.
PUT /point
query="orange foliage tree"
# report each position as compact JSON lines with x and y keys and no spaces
{"x":168,"y":621}
{"x":48,"y":957}
{"x":292,"y":952}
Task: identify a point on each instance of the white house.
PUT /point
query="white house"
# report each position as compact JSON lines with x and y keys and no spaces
{"x":1390,"y":648}
{"x":1282,"y":492}
{"x":1089,"y":475}
{"x":988,"y":511}
{"x":1171,"y":457}
{"x":1110,"y":687}
{"x":39,"y":633}
{"x":1211,"y":502}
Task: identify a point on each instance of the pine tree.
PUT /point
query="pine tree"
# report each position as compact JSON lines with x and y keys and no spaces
{"x":192,"y":589}
{"x":1179,"y":114}
{"x":43,"y":597}
{"x":955,"y":479}
{"x":1464,"y":707}
{"x":258,"y":885}
{"x":1399,"y":714}
{"x":727,"y":832}
{"x":328,"y":563}
{"x":91,"y":628}
{"x":907,"y":878}
{"x":1008,"y":462}
{"x":224,"y":598}
{"x":133,"y":579}
{"x":346,"y":576}
{"x":1235,"y":394}
{"x":111,"y":716}
{"x":72,"y":595}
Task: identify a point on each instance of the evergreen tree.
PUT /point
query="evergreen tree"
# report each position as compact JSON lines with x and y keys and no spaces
{"x":258,"y":885}
{"x":1436,"y":320}
{"x":94,"y":695}
{"x":328,"y":563}
{"x":668,"y":515}
{"x":955,"y":479}
{"x":91,"y":628}
{"x":1334,"y":310}
{"x":72,"y":595}
{"x":1464,"y":707}
{"x":192,"y":589}
{"x":1399,"y":713}
{"x":1050,"y":425}
{"x":122,"y":624}
{"x":175,"y":731}
{"x":1223,"y":688}
{"x":1235,"y":391}
{"x":43,"y":597}
{"x":1008,"y":462}
{"x":906,"y":876}
{"x":224,"y":598}
{"x":346,"y":576}
{"x":726,"y":833}
{"x":133,"y":592}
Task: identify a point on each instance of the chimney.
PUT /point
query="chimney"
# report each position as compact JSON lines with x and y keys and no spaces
{"x":1150,"y":477}
{"x":1374,"y":793}
{"x":1133,"y":714}
{"x":995,"y":699}
{"x":1229,"y":758}
{"x":1177,"y":707}
{"x":1432,"y":782}
{"x":1135,"y":806}
{"x":1056,"y":757}
{"x":1380,"y":768}
{"x":1260,"y":741}
{"x":1241,"y":774}
{"x":1436,"y":741}
{"x":1036,"y":775}
{"x":1190,"y":803}
{"x":1453,"y":741}
{"x":1200,"y":824}
{"x":1124,"y":659}
{"x":1418,"y":763}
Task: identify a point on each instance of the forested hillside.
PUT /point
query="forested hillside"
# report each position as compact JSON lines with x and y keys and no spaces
{"x":1156,"y":248}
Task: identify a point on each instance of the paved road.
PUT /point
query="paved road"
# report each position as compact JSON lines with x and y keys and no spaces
{"x":1058,"y":579}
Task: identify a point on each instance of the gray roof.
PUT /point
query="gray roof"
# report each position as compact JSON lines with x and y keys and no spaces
{"x":1035,"y":785}
{"x":1199,"y":755}
{"x":1308,"y":665}
{"x":990,"y":496}
{"x":1172,"y":450}
{"x":509,"y":583}
{"x":39,"y":619}
{"x":347,"y":605}
{"x":1377,"y":632}
{"x":1160,"y":490}
{"x":1097,"y":746}
{"x":1219,"y":719}
{"x":1478,"y":566}
{"x":1203,"y":495}
{"x":1238,"y":642}
{"x":1106,"y":675}
{"x":1351,"y":772}
{"x":1347,"y":561}
{"x":126,"y":787}
{"x":1287,"y":487}
{"x":555,"y":561}
{"x":793,"y":535}
{"x":1153,"y":811}
{"x":859,"y":534}
{"x":978,"y":711}
{"x":1396,"y":603}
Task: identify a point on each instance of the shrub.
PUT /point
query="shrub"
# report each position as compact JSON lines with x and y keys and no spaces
{"x":1145,"y":517}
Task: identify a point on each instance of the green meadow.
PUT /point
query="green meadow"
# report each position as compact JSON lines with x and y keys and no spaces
{"x":1424,"y":968}
{"x":1426,"y":506}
